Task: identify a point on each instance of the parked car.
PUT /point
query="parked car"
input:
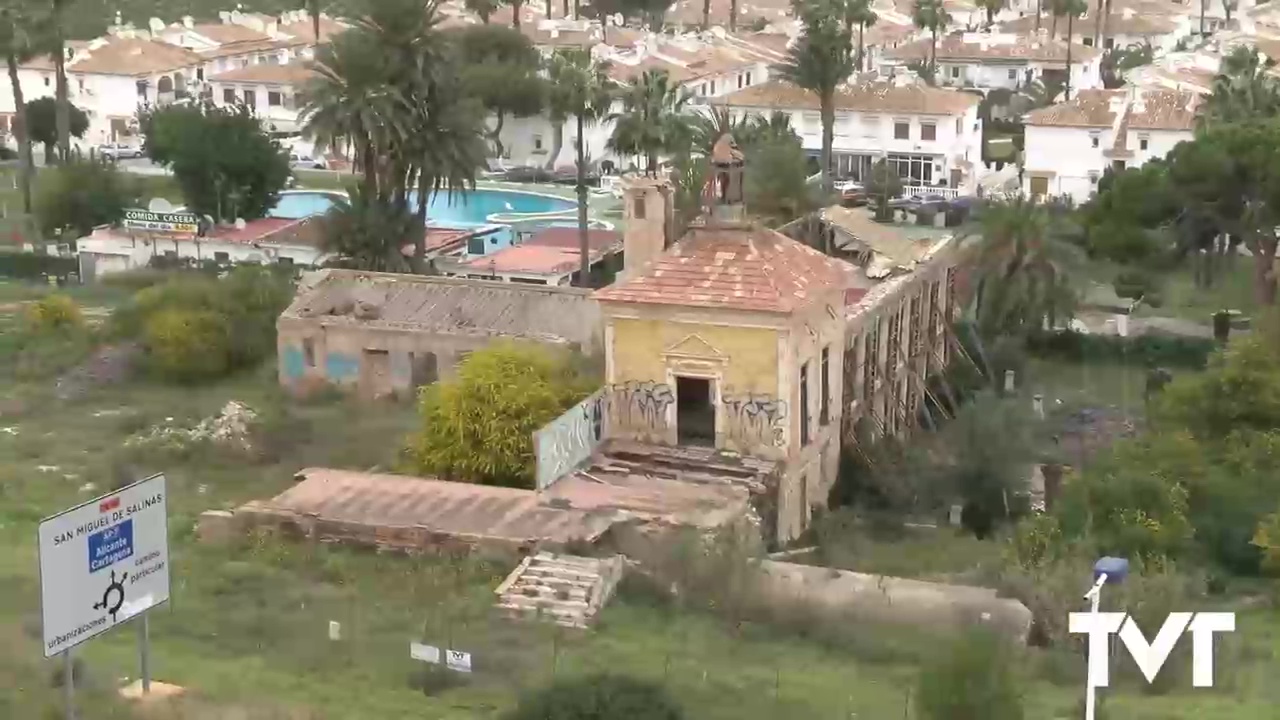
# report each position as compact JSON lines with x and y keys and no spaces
{"x":853,"y":195}
{"x":299,"y":161}
{"x":119,"y":151}
{"x":921,"y":201}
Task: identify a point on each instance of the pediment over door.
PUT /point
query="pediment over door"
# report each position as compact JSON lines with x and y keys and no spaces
{"x":694,"y":347}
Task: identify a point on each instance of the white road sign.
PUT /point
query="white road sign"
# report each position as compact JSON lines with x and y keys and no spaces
{"x":103,"y":562}
{"x":457,"y":660}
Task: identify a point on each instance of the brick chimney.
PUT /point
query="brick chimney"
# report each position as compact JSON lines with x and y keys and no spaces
{"x":649,"y":210}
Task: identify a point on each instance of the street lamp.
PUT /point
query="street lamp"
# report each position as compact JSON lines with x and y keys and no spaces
{"x":1107,"y":570}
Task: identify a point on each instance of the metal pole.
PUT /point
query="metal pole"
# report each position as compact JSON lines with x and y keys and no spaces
{"x":144,"y":650}
{"x":68,"y":684}
{"x":1091,"y":691}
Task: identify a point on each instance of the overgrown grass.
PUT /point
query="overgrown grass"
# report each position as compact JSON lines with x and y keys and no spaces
{"x":247,"y":627}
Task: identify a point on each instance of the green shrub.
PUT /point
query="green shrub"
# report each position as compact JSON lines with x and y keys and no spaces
{"x":52,"y":313}
{"x":1164,"y":350}
{"x":246,"y":302}
{"x":1134,"y":284}
{"x":187,"y":345}
{"x":34,"y":266}
{"x":598,"y":697}
{"x":974,"y":679}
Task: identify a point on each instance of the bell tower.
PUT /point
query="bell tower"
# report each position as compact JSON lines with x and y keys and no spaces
{"x":726,"y":199}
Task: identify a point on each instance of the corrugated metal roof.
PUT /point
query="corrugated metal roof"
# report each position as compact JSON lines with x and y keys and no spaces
{"x":452,"y":305}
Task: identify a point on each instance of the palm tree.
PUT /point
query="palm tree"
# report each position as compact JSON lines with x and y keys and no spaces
{"x":18,"y":45}
{"x":1072,"y":9}
{"x":482,"y":8}
{"x":992,"y":8}
{"x":931,"y":15}
{"x":733,"y":15}
{"x":516,"y":7}
{"x":314,"y":7}
{"x":820,"y":62}
{"x":708,"y":127}
{"x":349,"y":99}
{"x":1024,"y":269}
{"x":582,"y":88}
{"x":391,"y":87}
{"x":652,"y":120}
{"x":59,"y":50}
{"x":367,"y":232}
{"x":861,"y":14}
{"x":706,"y":14}
{"x":1245,"y":89}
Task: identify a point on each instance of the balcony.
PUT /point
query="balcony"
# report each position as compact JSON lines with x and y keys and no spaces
{"x":948,"y":193}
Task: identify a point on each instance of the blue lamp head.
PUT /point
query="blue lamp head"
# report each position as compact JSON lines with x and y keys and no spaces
{"x":1115,"y":568}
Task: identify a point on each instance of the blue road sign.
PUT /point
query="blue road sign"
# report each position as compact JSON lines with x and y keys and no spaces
{"x":110,"y":546}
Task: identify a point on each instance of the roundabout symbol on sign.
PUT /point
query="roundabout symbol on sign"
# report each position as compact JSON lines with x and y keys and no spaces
{"x":115,"y":587}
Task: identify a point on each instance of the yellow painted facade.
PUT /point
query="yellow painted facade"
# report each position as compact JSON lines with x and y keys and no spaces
{"x":641,"y":348}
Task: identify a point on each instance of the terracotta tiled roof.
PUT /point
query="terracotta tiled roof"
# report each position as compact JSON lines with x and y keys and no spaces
{"x":125,"y":56}
{"x":1002,"y":47}
{"x":567,"y":237}
{"x":272,"y":231}
{"x":628,"y":73}
{"x":743,"y":268}
{"x":1144,"y":110}
{"x":919,"y":99}
{"x":294,"y":73}
{"x":302,"y":30}
{"x":526,"y":259}
{"x":250,"y":47}
{"x":224,"y":33}
{"x":1127,"y":22}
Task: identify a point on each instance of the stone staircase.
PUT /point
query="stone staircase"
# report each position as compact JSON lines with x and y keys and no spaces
{"x":566,"y":589}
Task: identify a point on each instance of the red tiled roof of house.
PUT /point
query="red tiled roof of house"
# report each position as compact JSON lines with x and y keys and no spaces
{"x":527,"y":259}
{"x":866,"y":97}
{"x":994,"y":48}
{"x":273,"y":231}
{"x":743,"y":268}
{"x":294,"y":73}
{"x":1145,"y":109}
{"x":567,"y":237}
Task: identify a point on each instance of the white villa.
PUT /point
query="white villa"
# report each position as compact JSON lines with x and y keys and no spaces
{"x":987,"y":61}
{"x":1069,"y":146}
{"x":932,"y":135}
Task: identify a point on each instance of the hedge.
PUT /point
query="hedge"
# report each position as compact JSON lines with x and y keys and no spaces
{"x":35,"y":266}
{"x":1154,"y":350}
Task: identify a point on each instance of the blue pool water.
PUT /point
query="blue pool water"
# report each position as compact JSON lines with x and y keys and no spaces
{"x":468,"y":209}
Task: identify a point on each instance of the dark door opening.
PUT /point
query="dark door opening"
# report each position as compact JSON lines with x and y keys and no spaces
{"x":422,"y":369}
{"x":695,"y":415}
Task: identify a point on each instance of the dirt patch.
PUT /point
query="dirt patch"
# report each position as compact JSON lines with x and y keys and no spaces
{"x":108,"y":365}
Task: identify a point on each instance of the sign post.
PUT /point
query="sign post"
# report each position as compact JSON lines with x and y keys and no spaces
{"x":103,"y":563}
{"x":69,"y":684}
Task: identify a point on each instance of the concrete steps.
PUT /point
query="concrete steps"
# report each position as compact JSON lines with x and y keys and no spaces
{"x":566,"y":589}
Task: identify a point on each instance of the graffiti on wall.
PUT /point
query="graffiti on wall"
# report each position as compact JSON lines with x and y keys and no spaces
{"x":339,"y":366}
{"x":561,"y":444}
{"x":754,"y":419}
{"x":293,"y":362}
{"x":640,"y":408}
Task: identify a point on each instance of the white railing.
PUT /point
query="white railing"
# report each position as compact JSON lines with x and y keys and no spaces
{"x":947,"y":193}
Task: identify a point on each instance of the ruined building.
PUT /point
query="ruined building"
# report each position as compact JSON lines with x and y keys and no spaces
{"x":385,"y":334}
{"x":730,"y":339}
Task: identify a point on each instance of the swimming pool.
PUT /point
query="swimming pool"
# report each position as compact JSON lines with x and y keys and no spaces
{"x":469,"y":209}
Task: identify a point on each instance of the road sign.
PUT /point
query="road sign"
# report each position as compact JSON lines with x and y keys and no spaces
{"x":457,"y":660}
{"x":102,"y":563}
{"x":173,"y":223}
{"x":425,"y":653}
